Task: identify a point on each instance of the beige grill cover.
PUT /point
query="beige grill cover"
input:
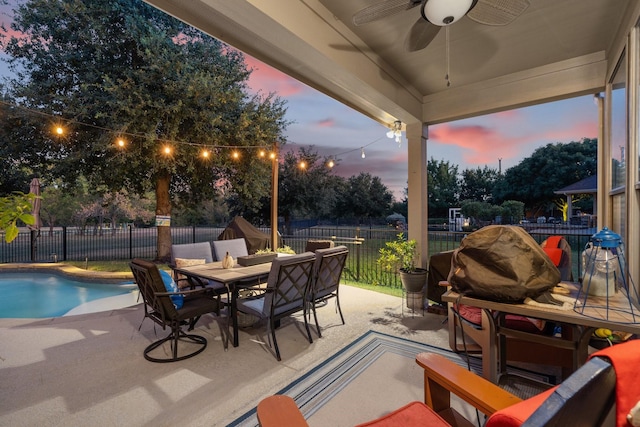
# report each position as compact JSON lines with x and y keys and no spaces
{"x":240,"y":227}
{"x":502,"y":263}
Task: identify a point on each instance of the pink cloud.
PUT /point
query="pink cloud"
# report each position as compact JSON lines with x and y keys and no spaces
{"x":268,"y":79}
{"x":326,"y":123}
{"x":481,"y":145}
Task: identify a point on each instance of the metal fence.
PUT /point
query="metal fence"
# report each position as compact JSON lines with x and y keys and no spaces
{"x":74,"y":244}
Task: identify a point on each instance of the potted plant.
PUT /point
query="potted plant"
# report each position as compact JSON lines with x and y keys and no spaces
{"x":400,"y":256}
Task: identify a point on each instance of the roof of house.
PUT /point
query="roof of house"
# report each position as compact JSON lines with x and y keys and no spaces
{"x":589,"y":185}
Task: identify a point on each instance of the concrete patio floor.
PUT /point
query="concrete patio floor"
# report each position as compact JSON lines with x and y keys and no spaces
{"x":89,"y":369}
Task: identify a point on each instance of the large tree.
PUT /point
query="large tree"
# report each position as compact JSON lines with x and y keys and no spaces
{"x":442,"y":186}
{"x":307,"y":186}
{"x":121,"y":68}
{"x":477,"y":184}
{"x":364,"y":197}
{"x":550,"y":168}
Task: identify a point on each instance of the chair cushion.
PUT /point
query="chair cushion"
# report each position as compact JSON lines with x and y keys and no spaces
{"x":413,"y":414}
{"x":235,"y":248}
{"x":186,"y":262}
{"x":170,"y":285}
{"x":253,"y":306}
{"x":515,"y":415}
{"x":192,"y":251}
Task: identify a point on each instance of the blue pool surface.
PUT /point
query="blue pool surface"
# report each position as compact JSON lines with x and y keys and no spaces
{"x":40,"y":295}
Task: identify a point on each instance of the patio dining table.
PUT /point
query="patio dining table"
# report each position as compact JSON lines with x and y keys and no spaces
{"x":233,"y":278}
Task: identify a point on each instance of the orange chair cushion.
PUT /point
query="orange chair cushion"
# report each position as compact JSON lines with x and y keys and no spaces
{"x":413,"y":414}
{"x":552,"y":249}
{"x":515,"y":415}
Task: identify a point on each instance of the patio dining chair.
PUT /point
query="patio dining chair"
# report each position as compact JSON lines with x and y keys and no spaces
{"x":188,"y":254}
{"x":325,"y":283}
{"x":160,"y":307}
{"x":233,"y":247}
{"x":284,"y":294}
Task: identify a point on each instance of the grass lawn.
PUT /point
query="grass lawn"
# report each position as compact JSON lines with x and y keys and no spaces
{"x":123,"y":266}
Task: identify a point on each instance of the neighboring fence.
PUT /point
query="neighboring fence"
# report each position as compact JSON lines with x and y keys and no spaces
{"x":73,"y":244}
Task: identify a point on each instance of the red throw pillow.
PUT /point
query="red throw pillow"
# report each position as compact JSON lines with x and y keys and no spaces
{"x":413,"y":414}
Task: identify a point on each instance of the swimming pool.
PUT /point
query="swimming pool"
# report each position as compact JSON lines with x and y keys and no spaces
{"x":41,"y":295}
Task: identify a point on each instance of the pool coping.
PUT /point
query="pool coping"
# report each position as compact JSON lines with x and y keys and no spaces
{"x":66,"y":270}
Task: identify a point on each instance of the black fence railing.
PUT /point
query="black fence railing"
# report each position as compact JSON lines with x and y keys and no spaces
{"x":74,"y":244}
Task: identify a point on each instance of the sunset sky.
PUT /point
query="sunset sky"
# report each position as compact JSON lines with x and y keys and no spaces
{"x":337,"y":131}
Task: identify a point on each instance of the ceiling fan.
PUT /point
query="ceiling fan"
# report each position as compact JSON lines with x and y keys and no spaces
{"x":440,"y":13}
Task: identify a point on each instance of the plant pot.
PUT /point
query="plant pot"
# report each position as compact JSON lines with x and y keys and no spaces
{"x":414,"y":281}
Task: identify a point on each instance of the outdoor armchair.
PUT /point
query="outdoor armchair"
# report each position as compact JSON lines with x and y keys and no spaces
{"x":159,"y":307}
{"x":526,"y":340}
{"x":325,"y":283}
{"x":586,"y":398}
{"x":283,"y":295}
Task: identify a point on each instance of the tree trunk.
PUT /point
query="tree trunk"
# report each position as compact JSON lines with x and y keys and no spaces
{"x":163,"y":207}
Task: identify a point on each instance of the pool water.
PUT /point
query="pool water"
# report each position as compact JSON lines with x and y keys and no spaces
{"x":40,"y":295}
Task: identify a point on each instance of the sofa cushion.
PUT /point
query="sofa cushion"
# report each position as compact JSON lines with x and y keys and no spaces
{"x":413,"y":414}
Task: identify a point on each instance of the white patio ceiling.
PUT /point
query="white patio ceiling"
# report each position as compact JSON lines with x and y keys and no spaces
{"x":556,"y":49}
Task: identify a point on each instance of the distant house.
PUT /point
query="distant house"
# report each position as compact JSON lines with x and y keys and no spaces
{"x":589,"y":185}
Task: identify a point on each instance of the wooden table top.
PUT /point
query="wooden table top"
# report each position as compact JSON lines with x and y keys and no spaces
{"x":214,"y":271}
{"x":615,"y":313}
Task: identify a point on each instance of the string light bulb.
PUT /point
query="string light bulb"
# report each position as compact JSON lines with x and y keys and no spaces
{"x":235,"y":155}
{"x":302,"y":164}
{"x":331,"y":163}
{"x":121,"y":143}
{"x":166,"y":150}
{"x":396,"y":132}
{"x":59,"y":130}
{"x":362,"y":152}
{"x":205,"y":153}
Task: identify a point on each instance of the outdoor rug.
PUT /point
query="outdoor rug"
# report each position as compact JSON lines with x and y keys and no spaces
{"x":377,"y":372}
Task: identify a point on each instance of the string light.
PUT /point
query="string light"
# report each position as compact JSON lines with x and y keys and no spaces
{"x":167,"y":149}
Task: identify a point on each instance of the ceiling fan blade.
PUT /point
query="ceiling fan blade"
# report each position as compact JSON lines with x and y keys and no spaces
{"x":420,"y":35}
{"x":497,"y":12}
{"x":382,"y":10}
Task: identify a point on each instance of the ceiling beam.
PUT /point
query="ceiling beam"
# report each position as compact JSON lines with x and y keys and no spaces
{"x":574,"y":77}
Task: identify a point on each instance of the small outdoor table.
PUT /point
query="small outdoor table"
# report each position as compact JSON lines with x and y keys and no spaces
{"x":593,"y":316}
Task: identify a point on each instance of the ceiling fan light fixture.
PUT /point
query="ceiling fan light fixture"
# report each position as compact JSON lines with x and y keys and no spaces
{"x":445,"y":12}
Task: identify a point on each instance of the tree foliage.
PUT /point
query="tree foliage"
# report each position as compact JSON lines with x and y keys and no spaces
{"x":124,"y":68}
{"x":13,"y":208}
{"x":477,"y":184}
{"x":364,"y":197}
{"x":550,"y":168}
{"x":308,"y":190}
{"x":442,"y":186}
